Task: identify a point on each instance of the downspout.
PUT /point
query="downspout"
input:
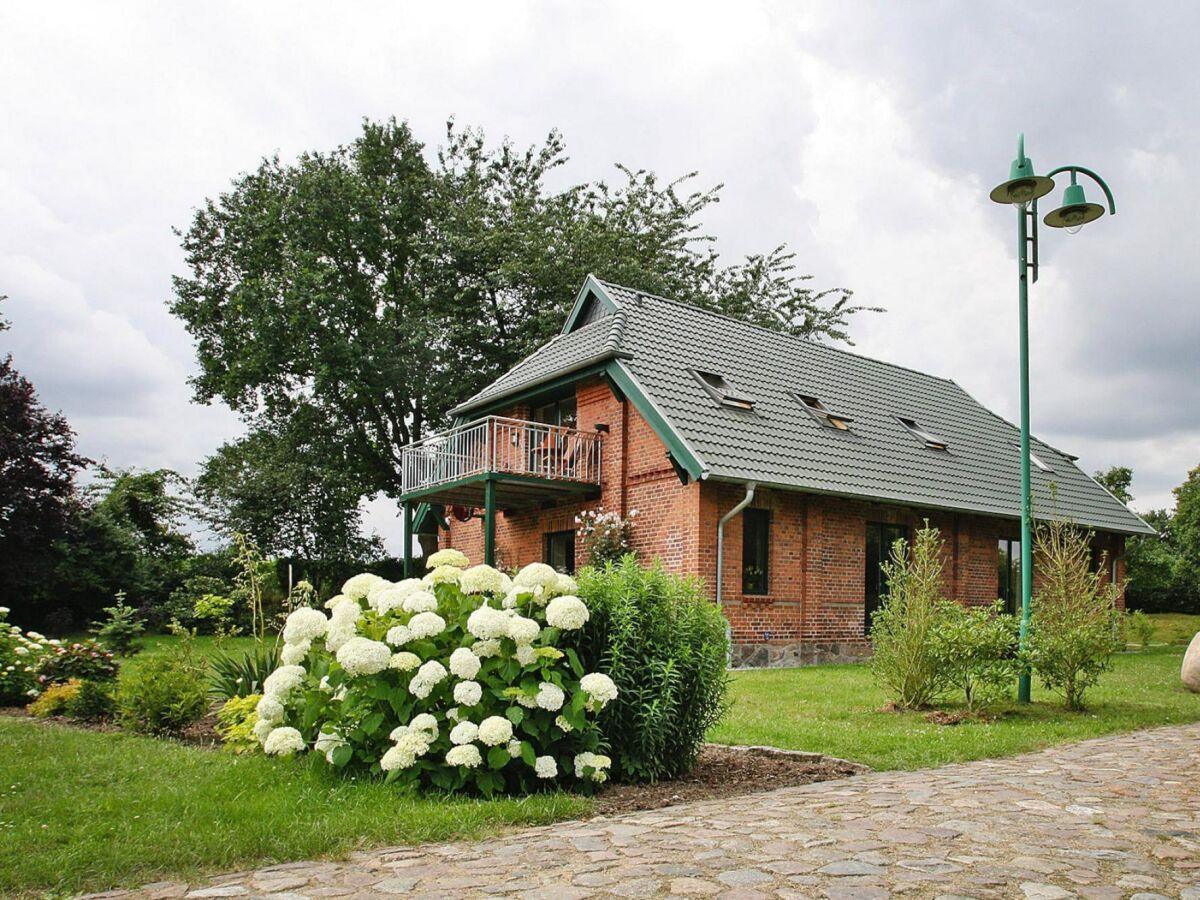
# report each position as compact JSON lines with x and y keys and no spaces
{"x":742,"y":504}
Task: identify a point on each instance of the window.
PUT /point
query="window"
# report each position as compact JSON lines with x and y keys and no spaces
{"x":559,"y":412}
{"x":930,"y":440}
{"x":1035,"y":459}
{"x":826,"y":417}
{"x":560,"y":551}
{"x":881,"y":537}
{"x":756,"y":550}
{"x":724,"y":392}
{"x":1008,"y":565}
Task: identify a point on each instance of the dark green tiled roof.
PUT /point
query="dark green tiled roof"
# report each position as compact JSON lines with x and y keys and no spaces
{"x":780,"y":443}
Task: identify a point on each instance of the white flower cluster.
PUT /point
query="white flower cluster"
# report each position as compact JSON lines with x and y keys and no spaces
{"x":598,"y":764}
{"x":363,"y":656}
{"x":409,"y":743}
{"x":600,"y":690}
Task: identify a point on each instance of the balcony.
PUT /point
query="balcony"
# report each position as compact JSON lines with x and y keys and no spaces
{"x":526,"y":464}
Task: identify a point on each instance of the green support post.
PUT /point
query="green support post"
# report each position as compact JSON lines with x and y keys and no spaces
{"x":406,"y":512}
{"x":1024,"y":684}
{"x":489,"y":522}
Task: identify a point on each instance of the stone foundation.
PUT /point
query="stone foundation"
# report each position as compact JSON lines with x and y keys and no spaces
{"x":781,"y":656}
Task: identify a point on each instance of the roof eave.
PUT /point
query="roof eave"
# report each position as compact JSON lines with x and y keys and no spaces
{"x":566,"y":374}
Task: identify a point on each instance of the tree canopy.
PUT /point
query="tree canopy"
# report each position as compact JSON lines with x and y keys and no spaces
{"x":377,"y":285}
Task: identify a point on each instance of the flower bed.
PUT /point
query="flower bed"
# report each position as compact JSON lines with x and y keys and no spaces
{"x":453,"y":681}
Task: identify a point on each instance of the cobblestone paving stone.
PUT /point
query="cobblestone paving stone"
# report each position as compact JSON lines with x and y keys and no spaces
{"x":1115,"y":817}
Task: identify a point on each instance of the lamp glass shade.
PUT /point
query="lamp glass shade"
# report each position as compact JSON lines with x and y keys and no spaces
{"x":1075,"y":211}
{"x":1022,"y":186}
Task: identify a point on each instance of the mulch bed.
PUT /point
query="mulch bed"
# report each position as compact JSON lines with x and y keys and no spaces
{"x":726,"y":772}
{"x":720,"y":771}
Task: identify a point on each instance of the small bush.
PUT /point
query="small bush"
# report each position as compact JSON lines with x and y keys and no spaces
{"x":1073,"y":632}
{"x":906,"y":662}
{"x":605,"y":536}
{"x":166,"y":694}
{"x":54,"y":701}
{"x":20,"y":655}
{"x":975,"y":651}
{"x":1139,"y":627}
{"x":119,"y":634}
{"x":235,"y":723}
{"x":213,"y":613}
{"x":82,"y":660}
{"x":665,"y":645}
{"x":94,"y":702}
{"x":242,"y":674}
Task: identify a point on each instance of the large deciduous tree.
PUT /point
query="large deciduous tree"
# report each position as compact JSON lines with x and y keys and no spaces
{"x":378,"y":285}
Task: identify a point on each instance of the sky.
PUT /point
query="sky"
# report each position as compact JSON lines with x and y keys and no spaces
{"x":865,"y":136}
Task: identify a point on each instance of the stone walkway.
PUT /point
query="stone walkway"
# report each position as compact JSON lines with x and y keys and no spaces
{"x":1114,"y":817}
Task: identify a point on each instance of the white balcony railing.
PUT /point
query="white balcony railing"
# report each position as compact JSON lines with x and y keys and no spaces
{"x":503,"y":446}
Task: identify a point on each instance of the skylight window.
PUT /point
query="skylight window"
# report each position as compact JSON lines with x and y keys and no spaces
{"x":1033,"y":458}
{"x":928,"y":438}
{"x":723,"y":390}
{"x":826,"y":417}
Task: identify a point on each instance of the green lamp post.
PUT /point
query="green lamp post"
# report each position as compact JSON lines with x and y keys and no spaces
{"x":1023,"y":190}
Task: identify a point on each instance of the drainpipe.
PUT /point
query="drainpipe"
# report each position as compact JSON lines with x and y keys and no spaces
{"x":742,"y":504}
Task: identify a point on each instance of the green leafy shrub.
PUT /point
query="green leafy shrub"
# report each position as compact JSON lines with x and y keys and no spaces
{"x":1073,"y":632}
{"x":605,"y":536}
{"x":906,"y":663}
{"x":54,"y":700}
{"x":83,"y":660}
{"x":120,"y":632}
{"x":1139,"y":627}
{"x":165,"y":694}
{"x":20,"y":655}
{"x":453,"y":682}
{"x":242,"y":674}
{"x":665,"y":646}
{"x":235,"y":723}
{"x":93,"y":702}
{"x":213,"y":613}
{"x":975,"y":651}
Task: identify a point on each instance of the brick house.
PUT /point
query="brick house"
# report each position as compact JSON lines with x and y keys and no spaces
{"x":802,"y":462}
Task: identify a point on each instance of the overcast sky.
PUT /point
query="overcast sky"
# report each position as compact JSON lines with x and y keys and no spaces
{"x":866,"y":136}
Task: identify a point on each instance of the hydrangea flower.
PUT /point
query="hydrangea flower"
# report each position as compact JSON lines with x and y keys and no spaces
{"x":487,"y":623}
{"x":429,"y":676}
{"x":362,"y":656}
{"x":293,"y":654}
{"x":523,"y":630}
{"x":514,"y":748}
{"x":426,"y":624}
{"x":327,"y":742}
{"x":283,"y":680}
{"x":443,"y":575}
{"x":283,"y":742}
{"x":486,"y":649}
{"x":563,"y":725}
{"x":398,"y":635}
{"x":598,"y":763}
{"x":358,"y":587}
{"x":376,"y":590}
{"x":566,"y":613}
{"x":526,"y":655}
{"x":468,"y":693}
{"x":464,"y":733}
{"x":536,"y":575}
{"x":304,"y":624}
{"x":336,"y":600}
{"x":600,"y":690}
{"x":465,"y":755}
{"x":545,"y":767}
{"x":550,"y":696}
{"x":404,"y":753}
{"x":262,"y":728}
{"x":481,"y":580}
{"x":425,"y":722}
{"x":464,"y":664}
{"x":270,"y":709}
{"x":564,"y":584}
{"x":404,"y":661}
{"x":495,"y":730}
{"x":448,"y":557}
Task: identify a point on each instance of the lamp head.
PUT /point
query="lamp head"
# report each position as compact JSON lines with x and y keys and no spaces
{"x":1022,"y":187}
{"x":1075,"y":211}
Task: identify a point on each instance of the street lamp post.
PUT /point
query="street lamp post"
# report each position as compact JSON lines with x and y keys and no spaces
{"x":1023,"y":190}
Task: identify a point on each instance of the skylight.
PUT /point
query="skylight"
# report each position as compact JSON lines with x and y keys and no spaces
{"x":928,"y":438}
{"x":1033,"y":458}
{"x":723,"y":390}
{"x":826,"y":417}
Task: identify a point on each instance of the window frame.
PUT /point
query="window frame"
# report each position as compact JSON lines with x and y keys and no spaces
{"x":1011,"y":546}
{"x":568,"y":535}
{"x":883,"y":552}
{"x":926,"y":437}
{"x":761,"y":555}
{"x":724,"y":391}
{"x":834,"y":421}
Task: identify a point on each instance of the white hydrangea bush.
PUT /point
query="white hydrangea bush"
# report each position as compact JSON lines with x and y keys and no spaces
{"x":454,"y":681}
{"x":20,"y":654}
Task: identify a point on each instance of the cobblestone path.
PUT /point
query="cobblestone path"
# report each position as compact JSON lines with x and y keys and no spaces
{"x":1113,"y":817}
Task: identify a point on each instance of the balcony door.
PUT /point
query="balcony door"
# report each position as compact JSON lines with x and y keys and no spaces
{"x":548,"y":446}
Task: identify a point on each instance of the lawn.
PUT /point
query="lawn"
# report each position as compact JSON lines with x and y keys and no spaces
{"x":83,"y":810}
{"x":837,"y":710}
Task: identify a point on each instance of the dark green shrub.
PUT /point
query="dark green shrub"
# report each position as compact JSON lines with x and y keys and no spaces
{"x":85,"y":660}
{"x":120,"y":632}
{"x":165,"y":694}
{"x":242,"y":674}
{"x":93,"y":702}
{"x":665,"y":646}
{"x":975,"y":649}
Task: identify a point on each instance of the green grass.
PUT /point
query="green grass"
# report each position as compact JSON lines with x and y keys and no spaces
{"x":1174,"y":628}
{"x":837,"y":710}
{"x":82,"y":810}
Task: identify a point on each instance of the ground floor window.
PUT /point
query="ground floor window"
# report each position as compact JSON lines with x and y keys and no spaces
{"x":756,"y":550}
{"x":881,"y":536}
{"x":560,"y":550}
{"x":1008,"y":564}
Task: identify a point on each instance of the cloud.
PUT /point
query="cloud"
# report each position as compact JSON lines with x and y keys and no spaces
{"x":865,"y":135}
